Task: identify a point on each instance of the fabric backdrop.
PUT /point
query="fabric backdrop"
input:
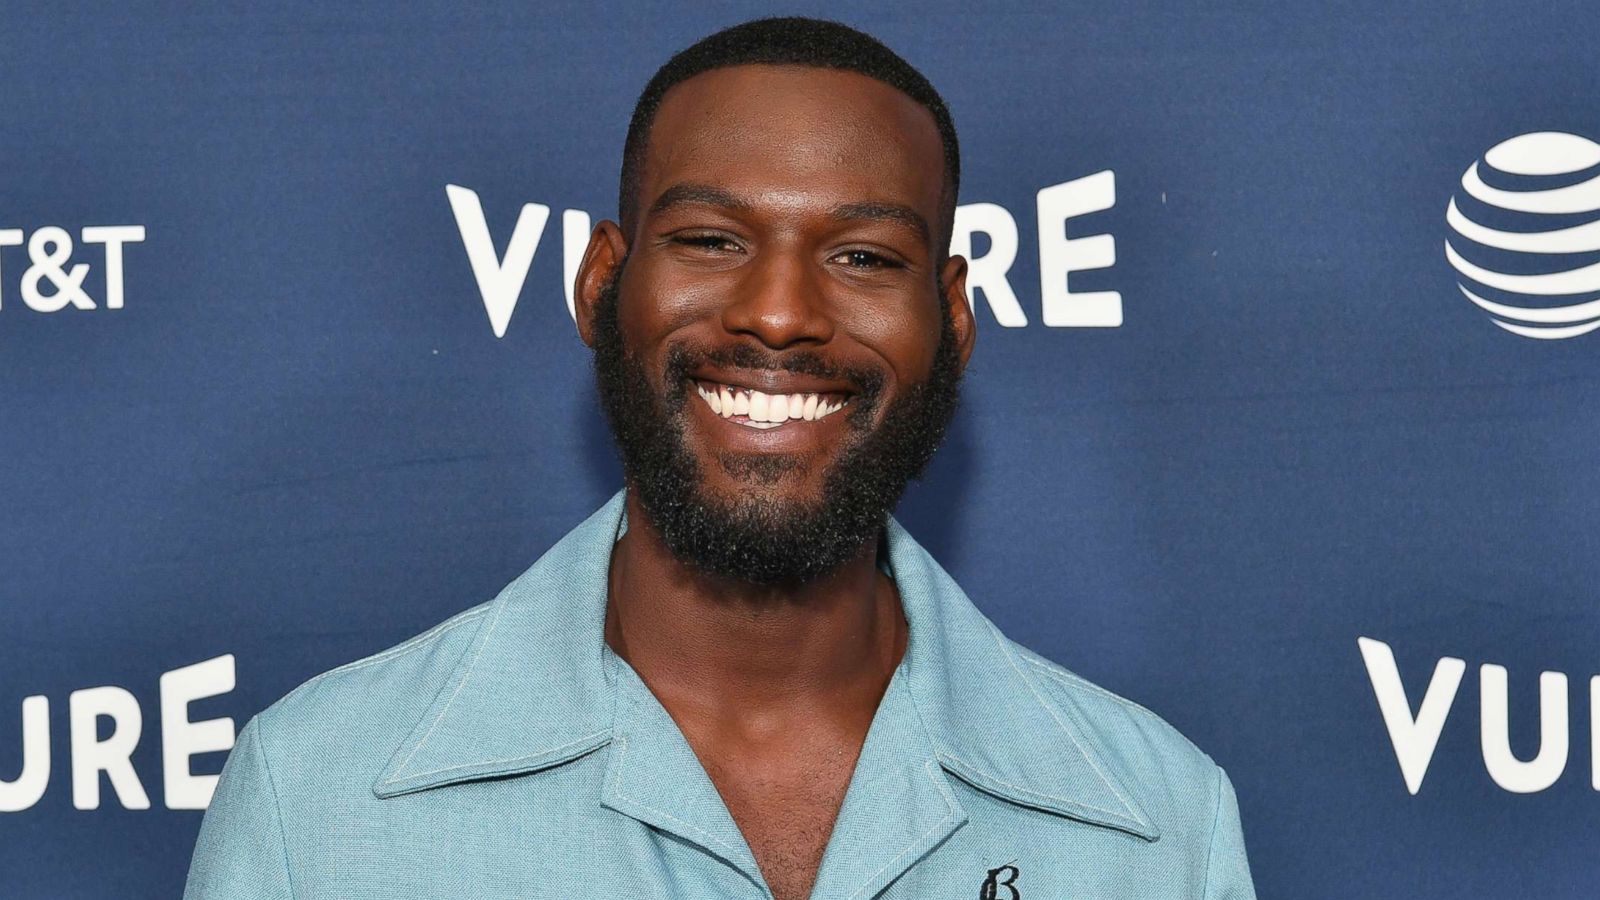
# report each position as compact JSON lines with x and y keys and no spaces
{"x":287,"y":374}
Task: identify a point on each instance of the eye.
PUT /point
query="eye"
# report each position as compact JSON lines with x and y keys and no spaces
{"x":866,"y":259}
{"x":713,"y":242}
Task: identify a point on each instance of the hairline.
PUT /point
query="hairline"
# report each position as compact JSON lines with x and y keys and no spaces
{"x":949,"y":185}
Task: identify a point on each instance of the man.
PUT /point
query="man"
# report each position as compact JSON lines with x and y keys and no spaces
{"x":739,"y":678}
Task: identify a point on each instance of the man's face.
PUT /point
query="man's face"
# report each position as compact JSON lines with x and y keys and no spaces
{"x":779,"y":354}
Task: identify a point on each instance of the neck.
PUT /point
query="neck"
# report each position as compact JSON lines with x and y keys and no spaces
{"x":722,"y":650}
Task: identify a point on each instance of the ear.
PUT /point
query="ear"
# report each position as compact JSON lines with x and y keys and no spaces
{"x":606,"y":251}
{"x":954,"y":278}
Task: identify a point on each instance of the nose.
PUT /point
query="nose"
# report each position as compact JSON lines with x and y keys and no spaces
{"x":780,"y":302}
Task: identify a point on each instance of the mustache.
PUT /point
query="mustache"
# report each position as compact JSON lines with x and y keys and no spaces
{"x":682,"y":358}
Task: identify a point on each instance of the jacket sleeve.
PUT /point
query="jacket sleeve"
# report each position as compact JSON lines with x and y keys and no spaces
{"x":1228,"y":871}
{"x":240,"y":854}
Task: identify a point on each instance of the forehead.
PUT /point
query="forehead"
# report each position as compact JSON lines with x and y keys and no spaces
{"x":796,"y":133}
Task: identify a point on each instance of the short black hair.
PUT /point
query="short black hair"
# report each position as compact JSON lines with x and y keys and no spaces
{"x":790,"y":40}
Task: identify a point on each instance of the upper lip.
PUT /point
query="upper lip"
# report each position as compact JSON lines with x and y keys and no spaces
{"x":772,"y":381}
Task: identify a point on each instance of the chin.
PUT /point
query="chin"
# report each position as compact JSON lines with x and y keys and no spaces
{"x":750,"y":487}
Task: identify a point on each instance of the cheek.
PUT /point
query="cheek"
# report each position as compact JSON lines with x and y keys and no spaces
{"x":902,"y":337}
{"x":653,"y":305}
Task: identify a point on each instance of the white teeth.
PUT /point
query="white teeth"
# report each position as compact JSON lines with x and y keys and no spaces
{"x":765,"y":410}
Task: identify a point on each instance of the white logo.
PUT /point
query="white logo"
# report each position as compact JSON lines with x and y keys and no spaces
{"x":1416,"y":736}
{"x":1059,"y":255}
{"x":501,"y":278}
{"x":52,"y":282}
{"x":1554,"y":215}
{"x":181,"y":738}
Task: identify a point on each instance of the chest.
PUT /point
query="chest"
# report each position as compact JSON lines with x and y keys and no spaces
{"x":786,"y":813}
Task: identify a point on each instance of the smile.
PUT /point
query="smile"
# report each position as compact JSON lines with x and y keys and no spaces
{"x":756,"y":409}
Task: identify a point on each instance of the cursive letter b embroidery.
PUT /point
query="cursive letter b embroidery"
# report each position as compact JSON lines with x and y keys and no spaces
{"x":993,"y":884}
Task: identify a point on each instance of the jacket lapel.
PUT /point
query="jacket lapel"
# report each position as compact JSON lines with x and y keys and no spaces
{"x":530,"y":691}
{"x":653,"y":775}
{"x":989,"y":721}
{"x":899,"y":805}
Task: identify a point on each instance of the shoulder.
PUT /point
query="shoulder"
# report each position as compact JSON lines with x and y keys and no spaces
{"x":1168,"y":775}
{"x":398,"y":670}
{"x":350,"y":718}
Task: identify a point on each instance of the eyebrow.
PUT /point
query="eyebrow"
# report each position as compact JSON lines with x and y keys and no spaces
{"x":690,"y":194}
{"x":693,"y":194}
{"x":883,"y":212}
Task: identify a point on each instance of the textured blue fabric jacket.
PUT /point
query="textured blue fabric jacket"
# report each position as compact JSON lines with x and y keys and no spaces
{"x":508,"y":753}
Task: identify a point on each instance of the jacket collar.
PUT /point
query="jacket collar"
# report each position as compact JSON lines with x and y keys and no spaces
{"x":534,"y":690}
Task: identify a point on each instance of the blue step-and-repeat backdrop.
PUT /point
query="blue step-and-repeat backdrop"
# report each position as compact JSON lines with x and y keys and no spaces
{"x":1284,"y":418}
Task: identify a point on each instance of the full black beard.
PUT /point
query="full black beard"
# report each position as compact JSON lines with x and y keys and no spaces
{"x":756,"y":539}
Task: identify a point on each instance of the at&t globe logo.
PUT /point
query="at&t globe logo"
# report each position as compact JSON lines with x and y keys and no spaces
{"x":1526,"y":239}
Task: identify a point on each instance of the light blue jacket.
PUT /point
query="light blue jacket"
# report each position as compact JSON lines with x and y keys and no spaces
{"x":508,"y":753}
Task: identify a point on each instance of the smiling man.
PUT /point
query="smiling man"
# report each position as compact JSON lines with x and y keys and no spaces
{"x":740,"y":677}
